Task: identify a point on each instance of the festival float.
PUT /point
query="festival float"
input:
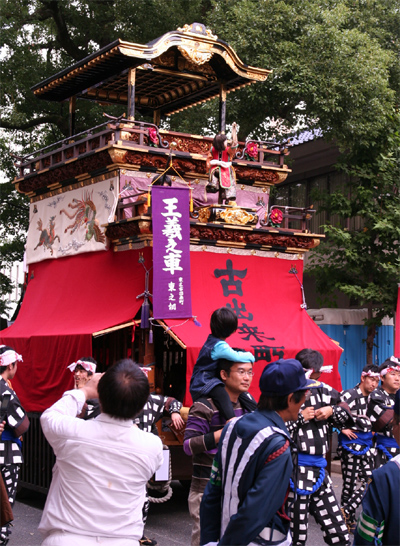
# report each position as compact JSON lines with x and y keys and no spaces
{"x":138,"y":233}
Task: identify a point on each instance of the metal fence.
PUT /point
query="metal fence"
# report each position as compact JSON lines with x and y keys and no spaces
{"x":36,"y":472}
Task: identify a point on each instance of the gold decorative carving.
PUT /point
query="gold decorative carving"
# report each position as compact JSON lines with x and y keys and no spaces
{"x":237,"y":216}
{"x":195,"y":55}
{"x":167,"y":59}
{"x":204,"y":215}
{"x":253,"y":76}
{"x":190,"y":145}
{"x":117,"y":156}
{"x":282,"y":177}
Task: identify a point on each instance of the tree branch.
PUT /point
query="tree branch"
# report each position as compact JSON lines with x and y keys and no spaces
{"x":62,"y":31}
{"x":57,"y":120}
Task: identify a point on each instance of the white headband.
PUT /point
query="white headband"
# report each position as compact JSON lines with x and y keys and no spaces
{"x":9,"y":357}
{"x":390,"y":369}
{"x":88,"y":366}
{"x":324,"y":369}
{"x":370,"y":374}
{"x":395,"y":360}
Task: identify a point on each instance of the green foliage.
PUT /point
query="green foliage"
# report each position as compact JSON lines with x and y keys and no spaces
{"x":14,"y":210}
{"x":362,"y":260}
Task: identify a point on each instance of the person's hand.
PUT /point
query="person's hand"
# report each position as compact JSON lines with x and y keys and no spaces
{"x":90,"y":389}
{"x":349,"y":433}
{"x":2,"y":424}
{"x":177,"y":421}
{"x":323,"y":413}
{"x":308,"y":413}
{"x":217,"y":435}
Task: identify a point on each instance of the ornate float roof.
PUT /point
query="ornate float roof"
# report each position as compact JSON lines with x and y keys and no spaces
{"x":176,"y":71}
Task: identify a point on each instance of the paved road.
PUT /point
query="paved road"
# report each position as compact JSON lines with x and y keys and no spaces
{"x":168,"y":523}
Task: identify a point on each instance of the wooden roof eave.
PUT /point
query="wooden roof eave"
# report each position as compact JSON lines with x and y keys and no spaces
{"x":93,"y":70}
{"x":174,"y":39}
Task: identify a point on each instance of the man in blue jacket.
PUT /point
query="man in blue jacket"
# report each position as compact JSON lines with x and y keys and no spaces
{"x":379,"y":522}
{"x":243,"y":502}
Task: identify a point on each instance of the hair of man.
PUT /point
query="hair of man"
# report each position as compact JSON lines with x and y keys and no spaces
{"x":371,"y":368}
{"x":310,"y":359}
{"x":123,"y":390}
{"x":278,"y":403}
{"x":223,"y":322}
{"x":387,"y":364}
{"x":225,"y":364}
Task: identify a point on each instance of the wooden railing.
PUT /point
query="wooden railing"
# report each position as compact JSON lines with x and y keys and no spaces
{"x":128,"y":133}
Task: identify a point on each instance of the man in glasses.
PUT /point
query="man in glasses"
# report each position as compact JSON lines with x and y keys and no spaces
{"x":204,"y":427}
{"x":380,"y":411}
{"x":244,"y":500}
{"x":310,"y":431}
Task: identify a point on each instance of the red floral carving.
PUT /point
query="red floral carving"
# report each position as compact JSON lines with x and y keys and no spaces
{"x":276,"y":217}
{"x":251,"y":151}
{"x":153,"y":136}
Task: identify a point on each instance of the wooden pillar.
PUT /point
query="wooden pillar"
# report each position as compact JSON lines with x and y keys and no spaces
{"x":131,"y":93}
{"x":157,"y":117}
{"x":222,"y":108}
{"x":72,"y":108}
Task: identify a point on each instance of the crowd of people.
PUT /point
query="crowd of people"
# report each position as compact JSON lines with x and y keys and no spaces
{"x":259,"y":467}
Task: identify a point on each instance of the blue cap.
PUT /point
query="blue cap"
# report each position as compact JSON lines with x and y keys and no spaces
{"x":284,"y":377}
{"x":397,"y":403}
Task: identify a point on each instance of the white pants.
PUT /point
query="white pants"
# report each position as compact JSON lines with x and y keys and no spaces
{"x":63,"y":538}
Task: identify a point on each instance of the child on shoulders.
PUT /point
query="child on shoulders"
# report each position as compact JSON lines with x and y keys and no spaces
{"x":205,"y":380}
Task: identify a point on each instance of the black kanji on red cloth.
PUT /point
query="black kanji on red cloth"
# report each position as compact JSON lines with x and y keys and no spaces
{"x":263,"y":352}
{"x":247,"y":332}
{"x":239,"y":310}
{"x":232,"y":284}
{"x":229,"y":285}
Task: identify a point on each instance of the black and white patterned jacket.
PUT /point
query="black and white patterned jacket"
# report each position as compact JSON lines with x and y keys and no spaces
{"x":380,"y":411}
{"x":17,"y":422}
{"x":358,"y":405}
{"x":311,"y":436}
{"x":153,"y":410}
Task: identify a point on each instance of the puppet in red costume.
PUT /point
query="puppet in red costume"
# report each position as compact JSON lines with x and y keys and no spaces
{"x":222,"y":177}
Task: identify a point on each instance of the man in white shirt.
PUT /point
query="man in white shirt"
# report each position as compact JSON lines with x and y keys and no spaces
{"x":98,"y":486}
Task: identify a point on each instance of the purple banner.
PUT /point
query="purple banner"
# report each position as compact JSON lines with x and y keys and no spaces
{"x":172,"y":297}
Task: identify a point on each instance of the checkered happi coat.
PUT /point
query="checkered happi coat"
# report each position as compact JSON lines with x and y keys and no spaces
{"x":153,"y":411}
{"x":10,"y":452}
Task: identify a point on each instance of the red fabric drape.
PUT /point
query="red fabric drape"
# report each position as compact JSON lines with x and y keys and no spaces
{"x":267,"y":299}
{"x":66,"y":301}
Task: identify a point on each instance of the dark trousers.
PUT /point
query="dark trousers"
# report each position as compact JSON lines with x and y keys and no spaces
{"x":326,"y":511}
{"x":9,"y":473}
{"x":356,"y":472}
